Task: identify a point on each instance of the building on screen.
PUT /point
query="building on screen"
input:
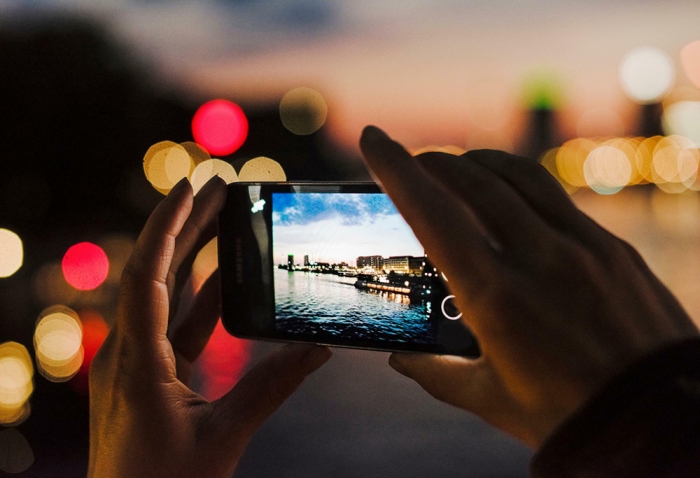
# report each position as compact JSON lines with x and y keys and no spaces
{"x":375,"y":262}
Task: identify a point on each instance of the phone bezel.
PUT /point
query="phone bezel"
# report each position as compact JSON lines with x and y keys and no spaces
{"x":248,"y":304}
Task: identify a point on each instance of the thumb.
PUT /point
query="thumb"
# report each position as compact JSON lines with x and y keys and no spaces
{"x":471,"y":384}
{"x":240,"y":412}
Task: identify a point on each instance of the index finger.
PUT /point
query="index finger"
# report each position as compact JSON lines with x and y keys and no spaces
{"x":440,"y":221}
{"x":144,"y":299}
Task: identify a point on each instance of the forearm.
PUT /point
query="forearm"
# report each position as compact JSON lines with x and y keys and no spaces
{"x":645,"y":423}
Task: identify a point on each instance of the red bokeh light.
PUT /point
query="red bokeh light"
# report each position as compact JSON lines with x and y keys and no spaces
{"x":222,"y":362}
{"x":95,"y":332}
{"x":85,"y":266}
{"x":220,"y":127}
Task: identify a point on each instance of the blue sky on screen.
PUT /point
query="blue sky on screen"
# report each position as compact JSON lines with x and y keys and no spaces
{"x":339,"y":228}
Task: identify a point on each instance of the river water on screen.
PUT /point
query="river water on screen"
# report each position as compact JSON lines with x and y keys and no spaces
{"x":330,"y":305}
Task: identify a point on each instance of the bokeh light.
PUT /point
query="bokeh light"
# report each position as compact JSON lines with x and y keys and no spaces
{"x":448,"y":149}
{"x":165,"y":164}
{"x":16,"y":385}
{"x":570,"y":159}
{"x":85,"y":266}
{"x":222,"y":363}
{"x":95,"y":332}
{"x":690,"y":61}
{"x":220,"y":127}
{"x":210,"y":168}
{"x":647,"y":74}
{"x":205,"y":264}
{"x":549,"y":161}
{"x":196,"y":152}
{"x":542,"y":91}
{"x":683,"y":118}
{"x":628,"y":146}
{"x":58,"y":343}
{"x":644,"y":157}
{"x":675,"y":162}
{"x":303,"y":111}
{"x":16,"y":455}
{"x":11,"y":253}
{"x":607,"y":169}
{"x":262,"y":169}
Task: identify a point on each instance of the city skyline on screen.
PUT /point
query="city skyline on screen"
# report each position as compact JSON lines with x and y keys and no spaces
{"x":335,"y":228}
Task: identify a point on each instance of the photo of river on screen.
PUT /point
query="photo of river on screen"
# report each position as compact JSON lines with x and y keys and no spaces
{"x":348,"y":265}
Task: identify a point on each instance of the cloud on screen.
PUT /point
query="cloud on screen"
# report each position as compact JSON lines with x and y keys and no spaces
{"x":350,"y":209}
{"x":339,"y":228}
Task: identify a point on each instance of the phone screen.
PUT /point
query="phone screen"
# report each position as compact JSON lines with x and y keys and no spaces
{"x":336,"y":264}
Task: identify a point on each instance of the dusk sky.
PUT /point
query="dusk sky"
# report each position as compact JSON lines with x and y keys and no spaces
{"x":430,"y":72}
{"x":338,"y":228}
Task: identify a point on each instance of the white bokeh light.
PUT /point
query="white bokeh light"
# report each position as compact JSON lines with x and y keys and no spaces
{"x":683,"y":118}
{"x":647,"y":74}
{"x":11,"y":253}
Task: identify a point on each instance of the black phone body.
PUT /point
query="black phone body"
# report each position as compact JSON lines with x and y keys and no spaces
{"x":333,"y":264}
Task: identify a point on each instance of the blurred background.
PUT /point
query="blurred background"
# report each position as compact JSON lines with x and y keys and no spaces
{"x":106,"y":104}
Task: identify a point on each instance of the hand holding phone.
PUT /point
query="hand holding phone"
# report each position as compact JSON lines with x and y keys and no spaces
{"x":334,"y":264}
{"x":559,"y":305}
{"x":144,"y":418}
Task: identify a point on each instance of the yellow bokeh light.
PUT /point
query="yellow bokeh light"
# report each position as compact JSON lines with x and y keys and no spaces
{"x":196,"y":152}
{"x":16,"y":385}
{"x":607,"y":169}
{"x":628,"y":146}
{"x":644,"y":157}
{"x":165,"y":164}
{"x":210,"y":168}
{"x":262,"y":169}
{"x":58,"y":343}
{"x":549,"y":161}
{"x":571,"y":158}
{"x":11,"y":417}
{"x":11,"y":253}
{"x":448,"y":149}
{"x":303,"y":111}
{"x":647,"y":74}
{"x":675,"y":163}
{"x":205,"y":263}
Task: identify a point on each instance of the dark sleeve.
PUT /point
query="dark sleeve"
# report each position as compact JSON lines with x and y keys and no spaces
{"x":645,"y":423}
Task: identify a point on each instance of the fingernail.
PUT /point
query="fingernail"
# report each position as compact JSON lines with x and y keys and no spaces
{"x":314,"y":358}
{"x":374,"y":134}
{"x":179,"y":186}
{"x":213,"y":182}
{"x":395,"y":363}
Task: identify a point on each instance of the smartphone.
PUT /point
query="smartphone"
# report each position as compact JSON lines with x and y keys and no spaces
{"x":333,"y":264}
